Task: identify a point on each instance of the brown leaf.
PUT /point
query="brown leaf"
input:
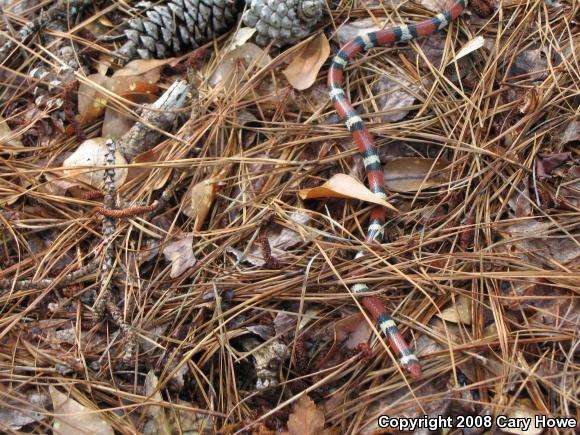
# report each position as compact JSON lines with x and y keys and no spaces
{"x":280,"y":239}
{"x":249,"y":53}
{"x":92,"y":101}
{"x":352,"y":330}
{"x":304,"y":68}
{"x":546,"y":164}
{"x":469,"y":47}
{"x":92,"y":153}
{"x":344,"y":186}
{"x":158,"y":423}
{"x":202,"y":196}
{"x":117,"y":122}
{"x":530,"y":101}
{"x":146,"y":68}
{"x":180,"y":254}
{"x":395,"y":94}
{"x":306,"y":419}
{"x":535,"y":243}
{"x":458,"y":311}
{"x":411,"y":174}
{"x":8,"y":140}
{"x":72,"y":418}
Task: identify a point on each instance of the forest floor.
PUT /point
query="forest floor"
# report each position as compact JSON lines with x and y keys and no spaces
{"x":216,"y":299}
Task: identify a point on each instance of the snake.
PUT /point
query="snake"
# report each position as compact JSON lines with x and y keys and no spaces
{"x":371,"y":161}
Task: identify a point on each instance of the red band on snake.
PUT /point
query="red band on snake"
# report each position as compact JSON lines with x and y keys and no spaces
{"x":371,"y":161}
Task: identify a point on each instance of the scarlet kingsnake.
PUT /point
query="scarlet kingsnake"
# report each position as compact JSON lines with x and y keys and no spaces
{"x":371,"y":160}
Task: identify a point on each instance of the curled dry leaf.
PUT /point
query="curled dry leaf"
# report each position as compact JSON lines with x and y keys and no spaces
{"x":92,"y":100}
{"x":72,"y":418}
{"x":133,"y":82}
{"x":157,"y":423}
{"x":458,"y":311}
{"x":242,"y":35}
{"x":201,"y":197}
{"x":344,"y":186}
{"x":306,"y":418}
{"x":280,"y":239}
{"x":267,"y":360}
{"x":469,"y":47}
{"x":411,"y":174}
{"x":302,"y":71}
{"x":92,"y":153}
{"x":522,"y":412}
{"x":249,"y":53}
{"x":9,"y":142}
{"x":180,"y":254}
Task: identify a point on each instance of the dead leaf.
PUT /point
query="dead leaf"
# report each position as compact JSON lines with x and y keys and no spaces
{"x":395,"y":94}
{"x":146,"y":68}
{"x":92,"y":101}
{"x":469,"y":47}
{"x":571,"y":133}
{"x":72,"y":418}
{"x":92,"y":153}
{"x":202,"y":196}
{"x":180,"y":254}
{"x":242,"y":35}
{"x":458,"y":311}
{"x":344,"y":186}
{"x":250,"y":53}
{"x":530,"y":101}
{"x":267,"y":360}
{"x":531,"y":64}
{"x":546,"y":164}
{"x":157,"y":423}
{"x":433,"y":5}
{"x":306,"y":418}
{"x":302,"y":71}
{"x":8,"y":140}
{"x":116,"y":122}
{"x":522,"y":411}
{"x":352,"y":330}
{"x":15,"y":414}
{"x":410,"y":174}
{"x":280,"y":238}
{"x":535,"y":243}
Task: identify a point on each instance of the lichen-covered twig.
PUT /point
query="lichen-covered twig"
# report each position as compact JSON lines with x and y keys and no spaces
{"x":105,"y":301}
{"x":109,"y":226}
{"x":28,"y":284}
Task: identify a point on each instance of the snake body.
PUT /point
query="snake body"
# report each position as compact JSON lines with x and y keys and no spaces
{"x":371,"y":161}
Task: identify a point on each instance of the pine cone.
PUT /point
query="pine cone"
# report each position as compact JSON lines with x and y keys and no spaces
{"x":178,"y":26}
{"x":282,"y":21}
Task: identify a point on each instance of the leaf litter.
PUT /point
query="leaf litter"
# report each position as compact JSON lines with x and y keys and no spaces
{"x":237,"y":288}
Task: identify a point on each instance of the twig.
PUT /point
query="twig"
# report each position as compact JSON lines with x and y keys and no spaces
{"x":28,"y":284}
{"x":109,"y":227}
